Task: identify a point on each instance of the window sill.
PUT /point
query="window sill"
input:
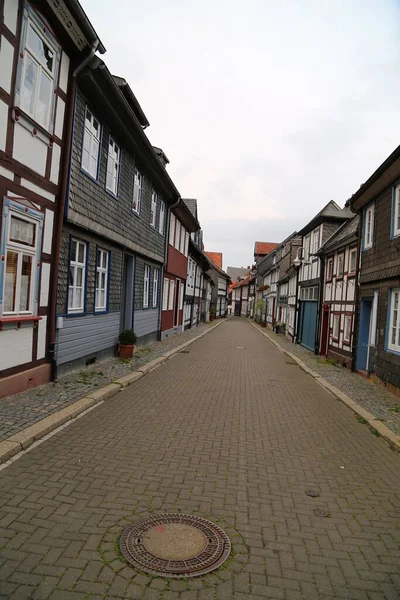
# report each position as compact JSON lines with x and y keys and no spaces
{"x":18,"y":320}
{"x":89,"y":175}
{"x":19,"y":116}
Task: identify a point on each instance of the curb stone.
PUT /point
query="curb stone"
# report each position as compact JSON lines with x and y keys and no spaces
{"x":387,"y":434}
{"x":23,"y":439}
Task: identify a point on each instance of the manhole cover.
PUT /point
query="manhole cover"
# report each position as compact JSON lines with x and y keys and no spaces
{"x":175,"y":545}
{"x":312,"y":493}
{"x":318,"y":512}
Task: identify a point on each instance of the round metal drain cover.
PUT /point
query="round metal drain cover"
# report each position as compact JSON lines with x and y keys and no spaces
{"x":175,"y":545}
{"x":312,"y":493}
{"x":318,"y":512}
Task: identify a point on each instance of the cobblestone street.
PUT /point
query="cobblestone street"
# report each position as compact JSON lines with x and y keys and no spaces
{"x":231,"y":430}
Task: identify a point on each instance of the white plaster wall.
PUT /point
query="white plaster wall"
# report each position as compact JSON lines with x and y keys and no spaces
{"x":58,"y":129}
{"x":6,"y":173}
{"x":44,"y":285}
{"x":29,"y":150}
{"x":55,"y":163}
{"x":18,"y":347}
{"x":6,"y":64}
{"x":64,"y":68}
{"x":3,"y":124}
{"x":41,"y":343}
{"x":48,"y":231}
{"x":37,"y":189}
{"x":10,"y":14}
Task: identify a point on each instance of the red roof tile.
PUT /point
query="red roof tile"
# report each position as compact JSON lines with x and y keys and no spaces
{"x":216,"y":258}
{"x":264,"y":247}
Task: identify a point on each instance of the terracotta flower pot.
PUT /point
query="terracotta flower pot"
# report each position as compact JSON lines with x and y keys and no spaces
{"x":262,"y":324}
{"x":211,"y":318}
{"x":126,"y":351}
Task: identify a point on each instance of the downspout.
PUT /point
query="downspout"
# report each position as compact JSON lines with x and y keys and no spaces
{"x":61,"y":210}
{"x":320,"y":303}
{"x":356,"y":301}
{"x":296,"y":308}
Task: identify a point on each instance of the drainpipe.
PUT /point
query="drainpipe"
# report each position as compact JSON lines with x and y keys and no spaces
{"x":356,"y":301}
{"x":320,"y":303}
{"x":296,"y":308}
{"x":60,"y":214}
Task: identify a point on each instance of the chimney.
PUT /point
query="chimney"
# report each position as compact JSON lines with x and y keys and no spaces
{"x":163,"y":158}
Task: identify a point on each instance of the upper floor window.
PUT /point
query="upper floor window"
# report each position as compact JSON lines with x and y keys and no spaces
{"x":316,"y":241}
{"x":91,"y":144}
{"x":172,"y":230}
{"x":396,"y":211}
{"x":155,"y":287}
{"x":183,"y":241}
{"x":353,"y":261}
{"x":22,"y":235}
{"x":177,"y":234}
{"x":113,"y":162}
{"x":340,"y":268}
{"x":146,"y":286}
{"x":161,"y":223}
{"x":307,"y":246}
{"x":329,"y":269}
{"x":38,"y":71}
{"x":77,"y":276}
{"x":137,"y":191}
{"x":394,"y":320}
{"x":369,"y":227}
{"x":186,"y":243}
{"x":101,"y":280}
{"x":336,"y":326}
{"x":153,"y":209}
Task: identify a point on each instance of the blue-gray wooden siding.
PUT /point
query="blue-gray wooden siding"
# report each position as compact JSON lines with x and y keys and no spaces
{"x":146,"y":321}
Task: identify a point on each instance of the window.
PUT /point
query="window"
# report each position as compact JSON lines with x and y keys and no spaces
{"x":38,"y":73}
{"x":112,"y":167}
{"x":329,"y":269}
{"x":316,"y":241}
{"x":177,"y":234}
{"x":186,"y":243}
{"x":353,"y":261}
{"x":91,"y":144}
{"x":153,"y":209}
{"x":101,"y":280}
{"x":165,"y":294}
{"x":77,"y":274}
{"x":172,"y":230}
{"x":20,"y":265}
{"x":340,"y":265}
{"x":347,"y":328}
{"x":368,"y":227}
{"x":307,"y":245}
{"x":183,"y":241}
{"x":181,"y":291}
{"x":394,"y":321}
{"x":396,"y":211}
{"x":146,"y":286}
{"x":137,"y":191}
{"x":336,"y":323}
{"x":155,"y":287}
{"x":162,"y":218}
{"x":171,"y":295}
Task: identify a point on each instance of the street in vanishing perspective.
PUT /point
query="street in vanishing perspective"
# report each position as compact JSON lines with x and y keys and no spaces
{"x":228,"y":459}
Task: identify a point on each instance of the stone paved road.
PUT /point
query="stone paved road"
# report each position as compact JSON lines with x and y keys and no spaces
{"x":231,"y":431}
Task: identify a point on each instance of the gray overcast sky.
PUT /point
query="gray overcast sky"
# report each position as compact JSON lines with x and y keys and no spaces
{"x":266,"y":109}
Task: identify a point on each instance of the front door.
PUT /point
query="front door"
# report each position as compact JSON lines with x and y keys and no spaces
{"x":308,"y":324}
{"x":127,"y":296}
{"x":364,"y":334}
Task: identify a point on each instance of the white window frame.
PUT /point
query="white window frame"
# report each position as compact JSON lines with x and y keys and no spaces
{"x":137,"y":191}
{"x":348,"y":319}
{"x":336,"y":327}
{"x":396,"y":211}
{"x":353,"y":252}
{"x":19,"y":248}
{"x":183,"y":240}
{"x":329,"y":269}
{"x":91,"y":144}
{"x":339,"y":274}
{"x":177,"y":234}
{"x":155,"y":287}
{"x":186,"y":244}
{"x":316,"y":241}
{"x":369,"y":227}
{"x":77,"y":265}
{"x":165,"y":294}
{"x":161,"y":222}
{"x":113,"y":166}
{"x":394,"y":321}
{"x":101,"y":270}
{"x":153,"y":209}
{"x":171,"y":294}
{"x":307,"y":247}
{"x":181,"y":292}
{"x":146,"y":286}
{"x":30,"y":19}
{"x":172,"y":224}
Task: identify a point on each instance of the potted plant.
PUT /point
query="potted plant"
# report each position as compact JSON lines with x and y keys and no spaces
{"x":212,"y":313}
{"x":127,"y":340}
{"x":280,"y":327}
{"x":263,"y":323}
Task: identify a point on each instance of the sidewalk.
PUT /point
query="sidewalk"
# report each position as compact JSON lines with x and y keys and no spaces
{"x":371,"y":397}
{"x":27,"y":408}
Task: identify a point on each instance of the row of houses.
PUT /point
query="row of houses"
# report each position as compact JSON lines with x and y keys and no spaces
{"x":95,"y":236}
{"x":334,"y":286}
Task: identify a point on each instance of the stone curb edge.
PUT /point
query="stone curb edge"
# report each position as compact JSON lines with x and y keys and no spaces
{"x":25,"y":438}
{"x":387,"y":434}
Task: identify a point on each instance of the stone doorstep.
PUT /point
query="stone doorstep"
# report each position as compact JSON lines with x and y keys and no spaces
{"x":25,"y":438}
{"x":387,"y":434}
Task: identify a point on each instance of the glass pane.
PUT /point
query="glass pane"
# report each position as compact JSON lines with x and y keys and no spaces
{"x":81,"y":253}
{"x":43,"y":103}
{"x":22,"y":232}
{"x":29,"y":86}
{"x":26,"y":278}
{"x":70,"y":297}
{"x":395,"y":312}
{"x":78,"y":298}
{"x":103,"y":281}
{"x":72,"y":277}
{"x":396,"y":300}
{"x":88,"y":116}
{"x":40,"y":49}
{"x":73,"y":250}
{"x":79,"y":276}
{"x":11,"y":281}
{"x":393,"y":339}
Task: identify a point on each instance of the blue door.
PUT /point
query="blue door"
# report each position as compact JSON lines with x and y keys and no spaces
{"x":308,"y":324}
{"x":363,"y":335}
